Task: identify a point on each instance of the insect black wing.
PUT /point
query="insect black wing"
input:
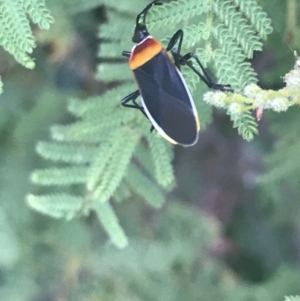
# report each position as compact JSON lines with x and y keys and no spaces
{"x":167,"y":101}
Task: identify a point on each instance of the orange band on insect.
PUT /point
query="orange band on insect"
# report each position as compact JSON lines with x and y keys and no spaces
{"x":144,"y":52}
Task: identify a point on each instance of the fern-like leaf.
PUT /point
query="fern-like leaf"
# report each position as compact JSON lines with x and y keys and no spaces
{"x":175,"y":12}
{"x":60,"y":176}
{"x":56,"y":205}
{"x":238,"y":27}
{"x":257,"y":17}
{"x":67,"y":153}
{"x":245,"y":124}
{"x":38,"y":12}
{"x":110,"y":223}
{"x":144,"y":187}
{"x":162,"y":157}
{"x":117,"y":166}
{"x":15,"y":31}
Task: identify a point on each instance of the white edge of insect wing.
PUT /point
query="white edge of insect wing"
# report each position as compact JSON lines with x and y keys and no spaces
{"x":188,"y":92}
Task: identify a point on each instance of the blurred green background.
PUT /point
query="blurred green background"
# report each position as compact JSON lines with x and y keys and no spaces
{"x":220,"y":235}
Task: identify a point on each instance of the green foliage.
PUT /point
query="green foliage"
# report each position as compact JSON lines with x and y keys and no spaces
{"x":110,"y":223}
{"x":16,"y":34}
{"x":174,"y":263}
{"x":57,"y":205}
{"x":283,"y":160}
{"x":245,"y":124}
{"x":256,"y":15}
{"x":292,"y":298}
{"x":144,"y":187}
{"x":110,"y":147}
{"x":175,"y":253}
{"x":281,"y":171}
{"x":96,"y":156}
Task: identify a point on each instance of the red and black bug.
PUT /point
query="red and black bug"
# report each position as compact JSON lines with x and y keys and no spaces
{"x":165,"y":98}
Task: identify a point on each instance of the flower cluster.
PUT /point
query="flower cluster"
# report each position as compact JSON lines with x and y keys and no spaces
{"x":253,"y":97}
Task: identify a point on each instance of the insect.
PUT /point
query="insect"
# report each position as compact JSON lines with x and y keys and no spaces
{"x":165,"y":98}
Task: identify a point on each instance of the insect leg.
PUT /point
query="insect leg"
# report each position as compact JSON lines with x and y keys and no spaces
{"x":126,"y":53}
{"x":177,"y":37}
{"x":132,"y":97}
{"x":186,"y":60}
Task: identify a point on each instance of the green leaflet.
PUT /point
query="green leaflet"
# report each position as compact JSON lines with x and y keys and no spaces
{"x":56,"y":205}
{"x":116,"y":166}
{"x":162,"y":159}
{"x":257,"y":17}
{"x":104,"y":154}
{"x":110,"y":223}
{"x":38,"y":12}
{"x":292,"y":298}
{"x":15,"y":31}
{"x":144,"y":187}
{"x":175,"y":12}
{"x":99,"y":105}
{"x":67,"y":153}
{"x":60,"y":176}
{"x":246,"y":125}
{"x":109,"y":72}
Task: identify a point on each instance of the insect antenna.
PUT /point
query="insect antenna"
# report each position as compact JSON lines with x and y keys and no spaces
{"x":145,"y":11}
